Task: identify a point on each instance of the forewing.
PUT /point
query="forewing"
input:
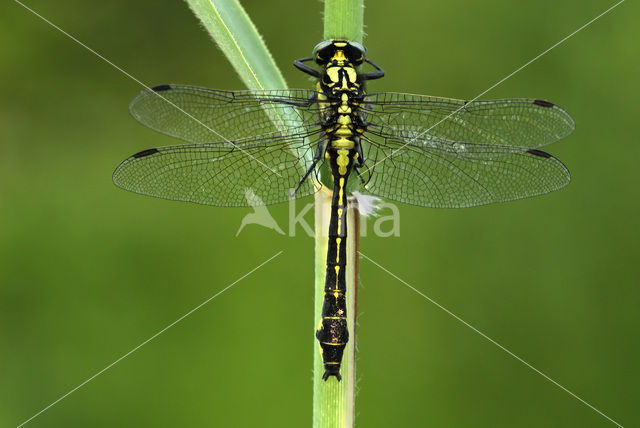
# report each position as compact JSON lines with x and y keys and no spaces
{"x":445,"y":174}
{"x":201,"y":115}
{"x":510,"y":122}
{"x":259,"y":171}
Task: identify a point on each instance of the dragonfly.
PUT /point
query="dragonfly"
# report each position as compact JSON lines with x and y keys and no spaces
{"x":414,"y":149}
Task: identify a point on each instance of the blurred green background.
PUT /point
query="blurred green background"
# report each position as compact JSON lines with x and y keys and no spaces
{"x":89,"y":271}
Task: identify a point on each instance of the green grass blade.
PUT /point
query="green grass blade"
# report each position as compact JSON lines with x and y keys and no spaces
{"x":232,"y":30}
{"x":237,"y":37}
{"x":343,"y":19}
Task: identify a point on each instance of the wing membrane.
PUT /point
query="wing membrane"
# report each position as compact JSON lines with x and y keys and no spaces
{"x":445,"y":174}
{"x":201,"y":115}
{"x":509,"y":122}
{"x":258,"y":171}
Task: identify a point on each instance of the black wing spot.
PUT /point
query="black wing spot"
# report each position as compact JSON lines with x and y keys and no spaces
{"x":539,"y":153}
{"x":145,"y":153}
{"x":543,"y":103}
{"x":161,"y":88}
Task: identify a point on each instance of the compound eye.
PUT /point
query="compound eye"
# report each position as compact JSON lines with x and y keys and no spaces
{"x":323,"y":52}
{"x":355,"y":52}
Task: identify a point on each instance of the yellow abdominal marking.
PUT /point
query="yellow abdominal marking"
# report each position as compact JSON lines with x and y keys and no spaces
{"x":343,"y":161}
{"x":338,"y":241}
{"x":343,"y":143}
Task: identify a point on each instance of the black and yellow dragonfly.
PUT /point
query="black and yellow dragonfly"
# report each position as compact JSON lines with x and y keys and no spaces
{"x":415,"y":149}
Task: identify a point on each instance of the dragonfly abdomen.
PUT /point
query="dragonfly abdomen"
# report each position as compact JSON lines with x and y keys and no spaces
{"x":332,"y":332}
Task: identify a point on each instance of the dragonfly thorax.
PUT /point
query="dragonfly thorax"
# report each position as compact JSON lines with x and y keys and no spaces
{"x":340,"y":91}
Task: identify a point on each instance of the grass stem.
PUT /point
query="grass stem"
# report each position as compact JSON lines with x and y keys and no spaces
{"x":334,"y":402}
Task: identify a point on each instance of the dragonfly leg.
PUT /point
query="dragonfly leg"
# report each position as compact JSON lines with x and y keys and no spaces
{"x":360,"y":162}
{"x":374,"y":74}
{"x":309,"y":101}
{"x":358,"y":148}
{"x":305,"y":176}
{"x":357,"y":168}
{"x":316,"y":158}
{"x":299,"y":64}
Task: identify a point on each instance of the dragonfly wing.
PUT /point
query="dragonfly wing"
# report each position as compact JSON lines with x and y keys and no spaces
{"x":201,"y":115}
{"x":445,"y":174}
{"x":509,"y":122}
{"x":259,"y":171}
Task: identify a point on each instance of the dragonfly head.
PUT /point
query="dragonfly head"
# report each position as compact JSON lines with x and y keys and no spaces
{"x":339,"y":59}
{"x":345,"y":51}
